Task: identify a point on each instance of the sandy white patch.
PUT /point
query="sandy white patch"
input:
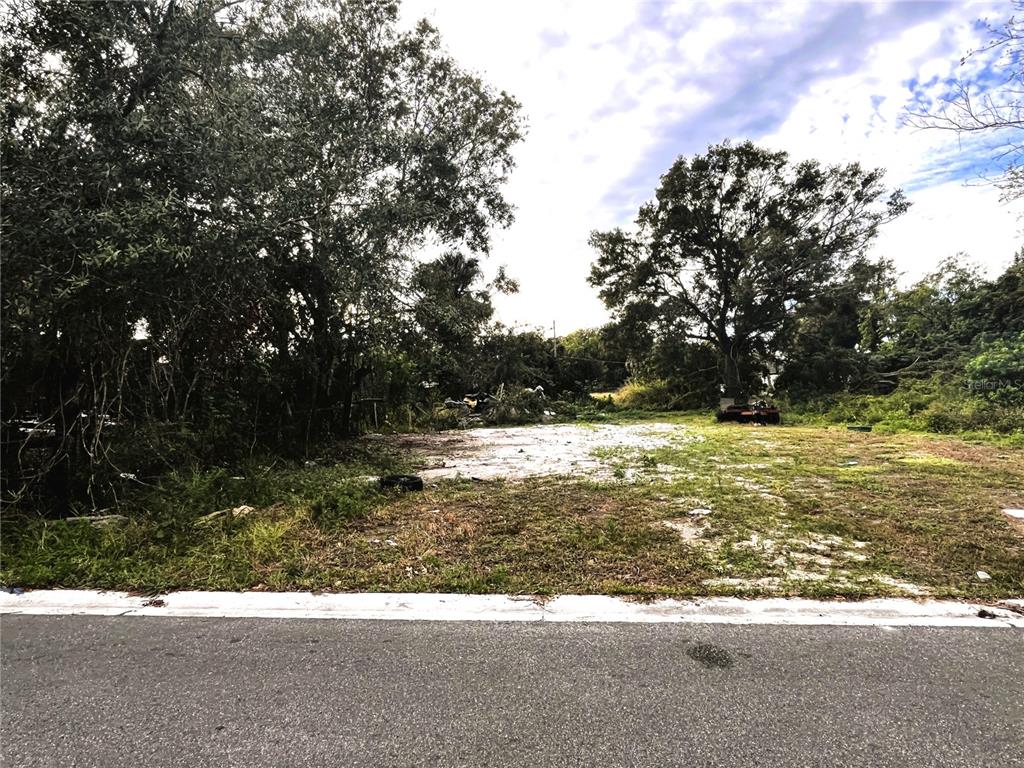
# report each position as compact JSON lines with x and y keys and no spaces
{"x":904,"y":586}
{"x":538,"y":451}
{"x":687,"y":528}
{"x":799,"y":574}
{"x":765,"y":582}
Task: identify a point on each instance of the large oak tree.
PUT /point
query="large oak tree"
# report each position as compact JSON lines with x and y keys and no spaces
{"x":733,"y":242}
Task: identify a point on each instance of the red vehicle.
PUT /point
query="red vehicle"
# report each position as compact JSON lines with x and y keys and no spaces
{"x":758,"y":412}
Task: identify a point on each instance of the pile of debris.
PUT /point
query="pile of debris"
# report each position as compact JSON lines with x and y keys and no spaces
{"x":528,"y":404}
{"x":757,"y":412}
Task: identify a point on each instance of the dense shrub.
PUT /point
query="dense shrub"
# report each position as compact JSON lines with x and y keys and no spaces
{"x":934,"y":405}
{"x":997,"y":373}
{"x":656,"y":395}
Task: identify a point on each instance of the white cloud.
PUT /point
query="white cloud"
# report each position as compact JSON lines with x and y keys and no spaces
{"x":570,"y":157}
{"x":859,"y":117}
{"x":612,"y":94}
{"x":948,"y":219}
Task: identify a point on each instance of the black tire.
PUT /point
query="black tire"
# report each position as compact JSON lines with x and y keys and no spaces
{"x":402,"y":482}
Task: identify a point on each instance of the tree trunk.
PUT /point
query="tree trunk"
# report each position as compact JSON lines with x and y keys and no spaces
{"x":353,"y":382}
{"x":732,"y":380}
{"x":66,"y":422}
{"x":346,"y":410}
{"x":322,"y":391}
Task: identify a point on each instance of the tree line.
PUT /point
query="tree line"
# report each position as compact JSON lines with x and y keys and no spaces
{"x":750,"y":273}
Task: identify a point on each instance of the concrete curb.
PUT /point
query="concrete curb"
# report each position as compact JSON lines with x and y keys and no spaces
{"x":896,"y":612}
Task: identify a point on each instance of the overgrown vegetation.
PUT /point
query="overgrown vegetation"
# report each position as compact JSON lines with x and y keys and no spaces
{"x":237,"y":236}
{"x":943,"y":355}
{"x":210,"y":225}
{"x":715,"y":510}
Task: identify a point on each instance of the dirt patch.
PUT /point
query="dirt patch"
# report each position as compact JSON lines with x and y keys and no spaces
{"x":967,"y":453}
{"x":905,"y":587}
{"x":520,"y":452}
{"x":1015,"y":517}
{"x":689,"y":530}
{"x":755,"y":487}
{"x":763,"y":584}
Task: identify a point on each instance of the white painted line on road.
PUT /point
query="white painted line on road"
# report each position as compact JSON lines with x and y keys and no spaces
{"x":567,"y":608}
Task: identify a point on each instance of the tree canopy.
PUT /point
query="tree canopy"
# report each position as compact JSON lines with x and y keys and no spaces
{"x":212,"y":210}
{"x":734,"y":241}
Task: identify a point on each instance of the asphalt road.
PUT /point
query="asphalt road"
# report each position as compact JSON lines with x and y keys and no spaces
{"x":101,"y":691}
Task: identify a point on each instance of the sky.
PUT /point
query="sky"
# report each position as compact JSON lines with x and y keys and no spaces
{"x":614,"y":91}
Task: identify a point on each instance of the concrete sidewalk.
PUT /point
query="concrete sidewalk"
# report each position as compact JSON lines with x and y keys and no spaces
{"x":565,"y":608}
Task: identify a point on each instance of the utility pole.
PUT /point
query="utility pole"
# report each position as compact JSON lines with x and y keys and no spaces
{"x":554,"y":340}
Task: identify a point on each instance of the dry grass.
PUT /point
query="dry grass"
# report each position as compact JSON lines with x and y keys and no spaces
{"x":792,"y":510}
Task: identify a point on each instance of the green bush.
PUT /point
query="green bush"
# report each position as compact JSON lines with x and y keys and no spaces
{"x":344,"y":504}
{"x":997,"y":373}
{"x":652,"y":395}
{"x":657,"y":395}
{"x":943,"y":405}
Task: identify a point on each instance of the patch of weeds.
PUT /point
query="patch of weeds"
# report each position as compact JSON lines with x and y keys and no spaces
{"x":929,"y":461}
{"x":266,"y":540}
{"x":345,"y":503}
{"x":648,"y":462}
{"x":736,"y":561}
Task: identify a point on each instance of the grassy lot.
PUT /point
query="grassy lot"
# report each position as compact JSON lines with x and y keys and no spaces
{"x":716,"y":509}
